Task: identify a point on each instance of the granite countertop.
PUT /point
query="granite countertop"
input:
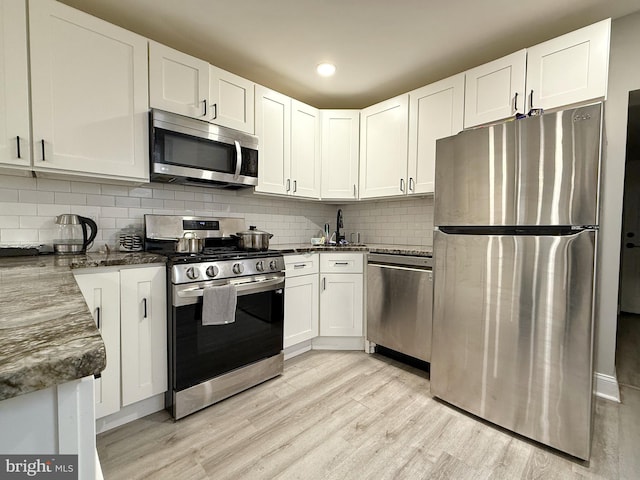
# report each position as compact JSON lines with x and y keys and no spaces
{"x":47,"y":334}
{"x":418,"y":250}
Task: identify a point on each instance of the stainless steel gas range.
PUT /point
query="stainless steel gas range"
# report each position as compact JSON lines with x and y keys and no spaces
{"x":210,"y":362}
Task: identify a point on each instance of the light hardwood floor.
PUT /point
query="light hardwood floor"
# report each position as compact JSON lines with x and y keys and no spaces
{"x":349,"y":415}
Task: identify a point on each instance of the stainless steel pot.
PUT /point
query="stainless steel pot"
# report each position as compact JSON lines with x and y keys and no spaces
{"x":189,"y":243}
{"x":253,"y":239}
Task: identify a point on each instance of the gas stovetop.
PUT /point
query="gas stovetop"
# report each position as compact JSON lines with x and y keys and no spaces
{"x":219,"y":254}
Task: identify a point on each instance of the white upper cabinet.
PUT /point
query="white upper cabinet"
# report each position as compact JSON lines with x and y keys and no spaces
{"x":384,"y":148}
{"x":273,"y":128}
{"x":89,"y":89}
{"x":231,"y":100}
{"x":178,"y":82}
{"x":495,"y":90}
{"x":14,"y":86}
{"x":569,"y":69}
{"x":435,"y":111}
{"x":340,"y":153}
{"x":305,"y":150}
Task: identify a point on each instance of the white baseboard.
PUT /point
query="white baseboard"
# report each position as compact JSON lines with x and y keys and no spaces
{"x":607,"y":387}
{"x":130,"y":413}
{"x":338,"y":343}
{"x":295,"y":350}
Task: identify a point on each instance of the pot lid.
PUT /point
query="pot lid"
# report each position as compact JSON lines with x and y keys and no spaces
{"x":253,"y":231}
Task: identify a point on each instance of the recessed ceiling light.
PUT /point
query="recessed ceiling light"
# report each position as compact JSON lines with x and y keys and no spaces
{"x":326,"y":69}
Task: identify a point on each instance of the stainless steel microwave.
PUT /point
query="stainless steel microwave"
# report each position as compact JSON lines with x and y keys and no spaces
{"x":189,"y":151}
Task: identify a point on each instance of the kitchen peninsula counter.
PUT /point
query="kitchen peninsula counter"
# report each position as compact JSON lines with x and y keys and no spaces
{"x":47,"y":334}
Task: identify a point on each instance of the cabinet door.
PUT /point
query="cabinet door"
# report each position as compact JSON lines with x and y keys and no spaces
{"x":341,"y":310}
{"x":14,"y":86}
{"x":495,"y":90}
{"x":89,"y":93}
{"x":435,"y":111}
{"x":143,"y":317}
{"x":178,"y":82}
{"x":305,"y":150}
{"x":569,"y":69}
{"x":340,"y":154}
{"x":301,"y":300}
{"x":101,"y":291}
{"x":231,"y":100}
{"x":273,"y":128}
{"x":383,"y":148}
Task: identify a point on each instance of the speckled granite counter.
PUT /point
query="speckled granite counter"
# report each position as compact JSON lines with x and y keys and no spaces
{"x":418,"y":250}
{"x":47,"y":334}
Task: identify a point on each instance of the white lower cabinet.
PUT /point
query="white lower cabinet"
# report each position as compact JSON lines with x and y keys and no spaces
{"x":101,"y":291}
{"x":341,"y":295}
{"x":129,"y":307}
{"x":301,"y":299}
{"x":143,"y":324}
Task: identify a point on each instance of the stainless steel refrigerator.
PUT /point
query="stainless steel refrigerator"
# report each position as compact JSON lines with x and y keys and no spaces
{"x":516,"y":216}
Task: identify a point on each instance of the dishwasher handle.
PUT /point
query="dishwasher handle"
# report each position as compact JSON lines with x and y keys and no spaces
{"x":408,"y":261}
{"x":400,"y":267}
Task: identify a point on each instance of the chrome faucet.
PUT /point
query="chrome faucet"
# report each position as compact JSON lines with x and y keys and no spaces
{"x":339,"y":225}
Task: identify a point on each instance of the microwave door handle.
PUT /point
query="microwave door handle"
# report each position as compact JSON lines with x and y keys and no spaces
{"x":238,"y":159}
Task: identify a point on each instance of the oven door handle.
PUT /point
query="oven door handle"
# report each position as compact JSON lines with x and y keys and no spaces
{"x":242,"y":288}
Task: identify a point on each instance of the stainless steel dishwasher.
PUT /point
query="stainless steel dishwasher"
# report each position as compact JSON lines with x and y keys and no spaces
{"x":399,"y":303}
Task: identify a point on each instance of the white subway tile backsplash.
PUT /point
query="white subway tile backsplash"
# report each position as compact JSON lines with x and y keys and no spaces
{"x":19,"y":183}
{"x":101,"y":200}
{"x":127,"y":202}
{"x":18,"y":235}
{"x":164,"y":194}
{"x":86,"y":187}
{"x":62,"y":198}
{"x":8,"y":195}
{"x":141,"y":192}
{"x":9,"y":221}
{"x":35,"y":196}
{"x":10,"y":208}
{"x":50,"y":185}
{"x":118,"y":190}
{"x":406,"y":221}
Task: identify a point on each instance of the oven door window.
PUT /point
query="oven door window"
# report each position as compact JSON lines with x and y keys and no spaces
{"x":204,"y":352}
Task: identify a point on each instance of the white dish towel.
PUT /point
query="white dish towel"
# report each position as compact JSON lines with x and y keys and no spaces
{"x":219,"y":305}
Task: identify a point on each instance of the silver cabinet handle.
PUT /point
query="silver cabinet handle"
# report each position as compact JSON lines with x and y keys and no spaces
{"x":411,"y":184}
{"x":341,"y":263}
{"x":288,"y":184}
{"x":324,"y":283}
{"x":355,"y":193}
{"x":18,"y":146}
{"x":300,"y":265}
{"x":295,"y":186}
{"x":402,"y":185}
{"x":515,"y":102}
{"x":98,"y":317}
{"x":215,"y":111}
{"x":144,"y":307}
{"x":238,"y":159}
{"x":43,"y":155}
{"x":204,"y":102}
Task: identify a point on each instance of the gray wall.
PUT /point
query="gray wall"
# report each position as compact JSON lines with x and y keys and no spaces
{"x":624,"y":76}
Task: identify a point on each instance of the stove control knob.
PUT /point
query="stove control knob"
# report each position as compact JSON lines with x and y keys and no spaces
{"x":192,"y":273}
{"x":238,"y":268}
{"x":260,"y":266}
{"x":212,"y":271}
{"x":273,"y":265}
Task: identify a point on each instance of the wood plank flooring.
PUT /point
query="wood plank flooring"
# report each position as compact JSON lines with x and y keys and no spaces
{"x":349,"y":415}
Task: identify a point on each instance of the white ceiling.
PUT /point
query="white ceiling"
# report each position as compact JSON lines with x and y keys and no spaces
{"x":381,"y":47}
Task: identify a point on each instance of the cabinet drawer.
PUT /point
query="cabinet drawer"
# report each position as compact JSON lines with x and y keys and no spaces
{"x":296,"y":265}
{"x":341,"y":262}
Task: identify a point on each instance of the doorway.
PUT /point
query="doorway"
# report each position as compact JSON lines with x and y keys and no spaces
{"x":628,"y":331}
